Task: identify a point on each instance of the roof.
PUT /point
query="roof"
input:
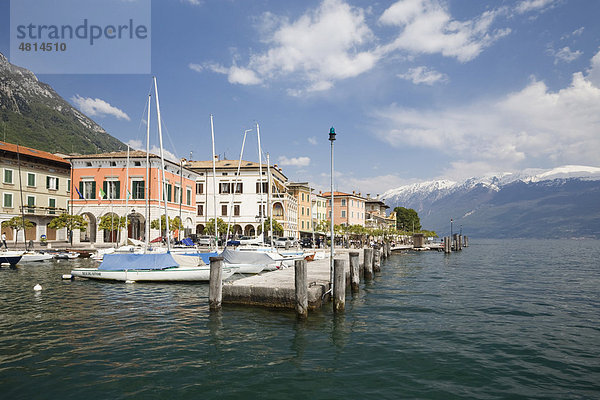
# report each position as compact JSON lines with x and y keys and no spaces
{"x":114,"y":154}
{"x":342,"y":194}
{"x":233,"y":165}
{"x":12,"y":148}
{"x":377,"y":201}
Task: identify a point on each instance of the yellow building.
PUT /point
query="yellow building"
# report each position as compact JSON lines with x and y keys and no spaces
{"x":302,"y":192}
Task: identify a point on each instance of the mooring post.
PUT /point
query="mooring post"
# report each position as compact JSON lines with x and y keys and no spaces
{"x":301,"y":283}
{"x":447,"y":242}
{"x":376,"y":260}
{"x":215,"y":288}
{"x":382,"y":251}
{"x":354,"y":271}
{"x":459,"y":244}
{"x":339,"y":286}
{"x":368,"y":264}
{"x":466,"y":241}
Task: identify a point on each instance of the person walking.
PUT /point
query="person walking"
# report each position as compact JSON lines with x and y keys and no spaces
{"x":4,"y":241}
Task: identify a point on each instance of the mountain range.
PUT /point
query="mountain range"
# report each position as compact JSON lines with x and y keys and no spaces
{"x":562,"y":202}
{"x":32,"y":114}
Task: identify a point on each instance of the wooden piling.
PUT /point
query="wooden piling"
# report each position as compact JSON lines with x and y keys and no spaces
{"x":301,"y":285}
{"x":459,"y":242}
{"x":215,"y":288}
{"x":354,"y":271}
{"x":339,"y":286}
{"x":447,"y":246}
{"x":466,"y":241}
{"x":376,"y":260}
{"x":368,"y":268}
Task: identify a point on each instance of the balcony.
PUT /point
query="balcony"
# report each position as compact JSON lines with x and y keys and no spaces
{"x":43,"y":211}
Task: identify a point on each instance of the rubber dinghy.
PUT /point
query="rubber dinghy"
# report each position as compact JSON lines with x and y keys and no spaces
{"x":150,"y":268}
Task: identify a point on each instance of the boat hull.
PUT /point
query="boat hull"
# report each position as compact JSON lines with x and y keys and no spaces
{"x":179,"y":274}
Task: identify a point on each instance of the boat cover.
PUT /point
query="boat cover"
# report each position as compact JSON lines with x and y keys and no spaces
{"x":187,"y":242}
{"x":231,"y":256}
{"x":204,"y":256}
{"x":121,"y":262}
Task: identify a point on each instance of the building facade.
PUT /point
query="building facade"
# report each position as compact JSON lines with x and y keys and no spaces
{"x":349,"y":208}
{"x":302,"y":193}
{"x":40,"y":192}
{"x":113,"y":184}
{"x":242,"y":200}
{"x":376,"y":210}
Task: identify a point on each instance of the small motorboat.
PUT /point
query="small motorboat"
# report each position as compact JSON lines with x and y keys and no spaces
{"x":10,"y":257}
{"x":66,"y":255}
{"x":35,"y":256}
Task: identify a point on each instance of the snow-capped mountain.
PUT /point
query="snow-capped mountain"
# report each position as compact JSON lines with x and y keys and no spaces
{"x":559,"y":202}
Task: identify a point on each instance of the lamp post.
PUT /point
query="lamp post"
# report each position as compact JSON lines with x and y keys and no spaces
{"x":331,"y":139}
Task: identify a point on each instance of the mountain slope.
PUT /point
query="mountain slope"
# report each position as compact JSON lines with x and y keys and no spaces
{"x":559,"y":203}
{"x":34,"y":115}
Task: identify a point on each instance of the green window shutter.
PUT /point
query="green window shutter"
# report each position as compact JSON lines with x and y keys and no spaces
{"x":93,"y":189}
{"x":105,"y":188}
{"x":47,"y":182}
{"x":118,"y":189}
{"x":169,"y":189}
{"x":81,"y":188}
{"x":57,"y":184}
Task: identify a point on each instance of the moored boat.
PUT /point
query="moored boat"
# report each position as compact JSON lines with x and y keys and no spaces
{"x":35,"y":256}
{"x":10,"y":257}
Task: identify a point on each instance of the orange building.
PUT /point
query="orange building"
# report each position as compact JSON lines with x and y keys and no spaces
{"x":110,"y":184}
{"x":349,"y":209}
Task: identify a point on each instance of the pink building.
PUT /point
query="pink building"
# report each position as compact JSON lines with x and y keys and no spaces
{"x":349,"y":209}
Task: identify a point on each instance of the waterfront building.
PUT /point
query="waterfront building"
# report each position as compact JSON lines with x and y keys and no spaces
{"x":242,"y":198}
{"x":108,"y":185}
{"x":40,"y":192}
{"x":302,"y":193}
{"x":349,"y":208}
{"x":375,"y":216}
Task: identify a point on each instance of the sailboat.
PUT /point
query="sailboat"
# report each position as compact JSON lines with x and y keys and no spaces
{"x":153,"y":266}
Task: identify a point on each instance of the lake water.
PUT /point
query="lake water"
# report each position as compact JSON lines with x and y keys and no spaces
{"x":501,"y":319}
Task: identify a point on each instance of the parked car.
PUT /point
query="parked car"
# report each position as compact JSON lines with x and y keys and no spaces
{"x":306,"y":242}
{"x":281,"y":242}
{"x":205,"y":240}
{"x":293,"y":241}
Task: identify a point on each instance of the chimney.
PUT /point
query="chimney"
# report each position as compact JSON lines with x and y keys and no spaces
{"x":368,"y":195}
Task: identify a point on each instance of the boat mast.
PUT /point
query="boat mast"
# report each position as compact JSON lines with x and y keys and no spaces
{"x":269,"y":200}
{"x":212,"y":132}
{"x":260,"y":185}
{"x":147,"y":185}
{"x":237,"y":175}
{"x":162,"y":160}
{"x":21,"y":194}
{"x":127,"y":196}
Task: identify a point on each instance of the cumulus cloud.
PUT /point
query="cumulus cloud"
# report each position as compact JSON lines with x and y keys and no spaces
{"x":423,"y":75}
{"x":426,"y":27}
{"x":533,"y":125}
{"x":312,"y":140}
{"x":98,"y":107}
{"x":564,"y":55}
{"x":294,"y":161}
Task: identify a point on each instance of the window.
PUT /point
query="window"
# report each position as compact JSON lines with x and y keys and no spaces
{"x":31,"y":204}
{"x":8,"y":175}
{"x":137,"y":163}
{"x":343,"y":213}
{"x":302,"y":224}
{"x":169,"y":191}
{"x":199,"y":188}
{"x":224,"y":173}
{"x":51,"y":183}
{"x":239,"y":187}
{"x":177,"y":195}
{"x":88,"y":189}
{"x":261,"y":210}
{"x":224,"y":187}
{"x":112,"y":189}
{"x":188,"y":196}
{"x":138,"y":189}
{"x":200,"y":209}
{"x":224,"y":210}
{"x":302,"y":196}
{"x":302,"y":210}
{"x":265,"y":187}
{"x":68,"y":186}
{"x":30,"y":179}
{"x":113,"y":164}
{"x":7,"y":200}
{"x":88,"y":164}
{"x":52,"y":206}
{"x":236,"y":210}
{"x":343,"y":202}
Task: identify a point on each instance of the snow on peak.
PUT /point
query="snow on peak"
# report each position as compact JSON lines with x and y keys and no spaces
{"x":566,"y":171}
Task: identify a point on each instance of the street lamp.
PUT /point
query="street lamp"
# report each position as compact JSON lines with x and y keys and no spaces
{"x":331,"y":139}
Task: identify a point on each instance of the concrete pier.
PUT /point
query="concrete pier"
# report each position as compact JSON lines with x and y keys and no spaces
{"x":276,"y":289}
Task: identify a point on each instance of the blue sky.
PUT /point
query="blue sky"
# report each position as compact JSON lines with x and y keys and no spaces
{"x":416,"y":89}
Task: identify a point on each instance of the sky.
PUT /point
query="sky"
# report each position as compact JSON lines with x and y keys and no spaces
{"x":416,"y":90}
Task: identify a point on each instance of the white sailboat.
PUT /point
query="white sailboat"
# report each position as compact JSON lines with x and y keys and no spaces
{"x":152,"y":266}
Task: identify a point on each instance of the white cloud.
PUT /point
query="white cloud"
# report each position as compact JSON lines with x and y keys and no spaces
{"x":312,"y":140}
{"x":533,"y":5}
{"x":565,"y":55}
{"x":593,"y":73}
{"x":97,"y":107}
{"x":294,"y":161}
{"x":428,"y":28}
{"x":424,"y":75}
{"x":193,"y":2}
{"x":533,"y":125}
{"x":196,"y":67}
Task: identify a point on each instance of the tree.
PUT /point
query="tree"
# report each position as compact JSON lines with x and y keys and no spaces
{"x":407,"y":219}
{"x":17,"y":224}
{"x":221,"y":226}
{"x":323,"y":226}
{"x":110,"y":222}
{"x":174,"y":224}
{"x":277,"y":228}
{"x":71,"y":222}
